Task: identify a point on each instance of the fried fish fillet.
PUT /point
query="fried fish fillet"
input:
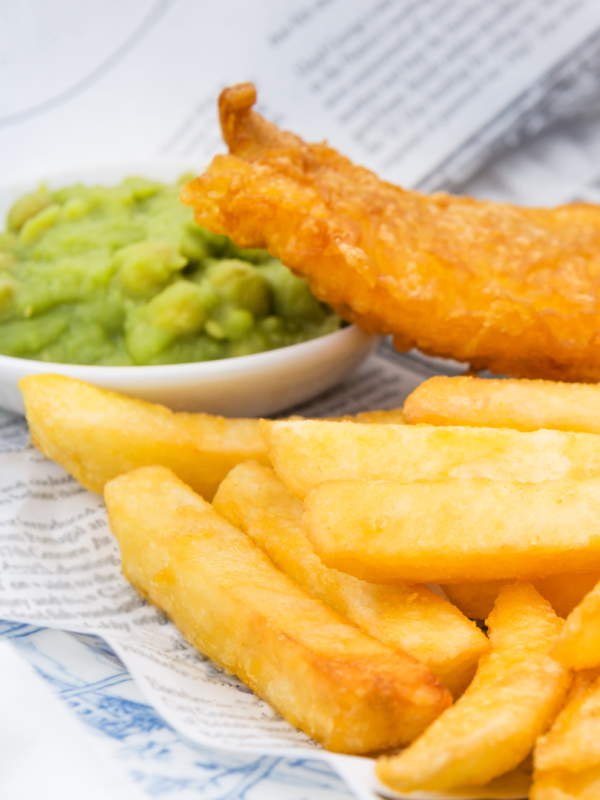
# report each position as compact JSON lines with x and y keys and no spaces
{"x":511,"y":289}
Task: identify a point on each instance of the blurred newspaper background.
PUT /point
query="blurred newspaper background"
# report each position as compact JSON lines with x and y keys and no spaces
{"x":425,"y":92}
{"x":499,"y":100}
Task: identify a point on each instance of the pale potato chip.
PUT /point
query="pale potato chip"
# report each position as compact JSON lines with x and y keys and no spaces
{"x":96,"y":434}
{"x":348,"y":691}
{"x":307,"y":453}
{"x":455,"y":530}
{"x":578,"y":646}
{"x":567,"y":758}
{"x":526,"y":405}
{"x":515,"y":695}
{"x":411,"y":618}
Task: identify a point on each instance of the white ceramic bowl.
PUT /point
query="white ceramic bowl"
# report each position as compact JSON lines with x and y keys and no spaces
{"x":254,"y":385}
{"x":247,"y":386}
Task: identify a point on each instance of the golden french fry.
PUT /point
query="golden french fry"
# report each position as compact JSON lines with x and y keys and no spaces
{"x":411,"y":618}
{"x":348,"y":691}
{"x":563,"y":592}
{"x":513,"y":698}
{"x":455,"y":530}
{"x":307,"y":453}
{"x":526,"y":405}
{"x":578,"y":645}
{"x":96,"y":434}
{"x":567,"y":758}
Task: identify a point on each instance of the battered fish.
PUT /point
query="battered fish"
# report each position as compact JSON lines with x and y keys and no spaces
{"x":511,"y":289}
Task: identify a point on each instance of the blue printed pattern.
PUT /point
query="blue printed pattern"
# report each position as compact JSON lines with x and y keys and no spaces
{"x":14,"y":433}
{"x":87,"y":675}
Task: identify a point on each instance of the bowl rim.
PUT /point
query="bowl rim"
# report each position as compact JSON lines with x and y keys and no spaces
{"x":248,"y":363}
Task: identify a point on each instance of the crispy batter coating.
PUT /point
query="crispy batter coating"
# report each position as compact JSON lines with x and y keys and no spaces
{"x":511,"y":289}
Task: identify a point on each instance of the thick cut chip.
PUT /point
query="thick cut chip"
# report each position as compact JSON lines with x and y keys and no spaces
{"x":578,"y":646}
{"x":96,"y":434}
{"x":455,"y":530}
{"x":517,"y":691}
{"x":567,"y":758}
{"x":564,"y":785}
{"x":563,"y":592}
{"x":525,"y":405}
{"x":411,"y":618}
{"x":348,"y":691}
{"x":307,"y":453}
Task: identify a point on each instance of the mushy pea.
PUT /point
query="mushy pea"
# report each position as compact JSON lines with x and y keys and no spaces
{"x":123,"y":276}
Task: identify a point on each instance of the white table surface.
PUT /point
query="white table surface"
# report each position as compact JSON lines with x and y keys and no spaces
{"x":43,"y":753}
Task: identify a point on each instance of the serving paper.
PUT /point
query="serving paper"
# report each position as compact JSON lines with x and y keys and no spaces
{"x":60,"y":568}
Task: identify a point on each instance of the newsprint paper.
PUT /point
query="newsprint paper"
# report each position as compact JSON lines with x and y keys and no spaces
{"x":422,"y":91}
